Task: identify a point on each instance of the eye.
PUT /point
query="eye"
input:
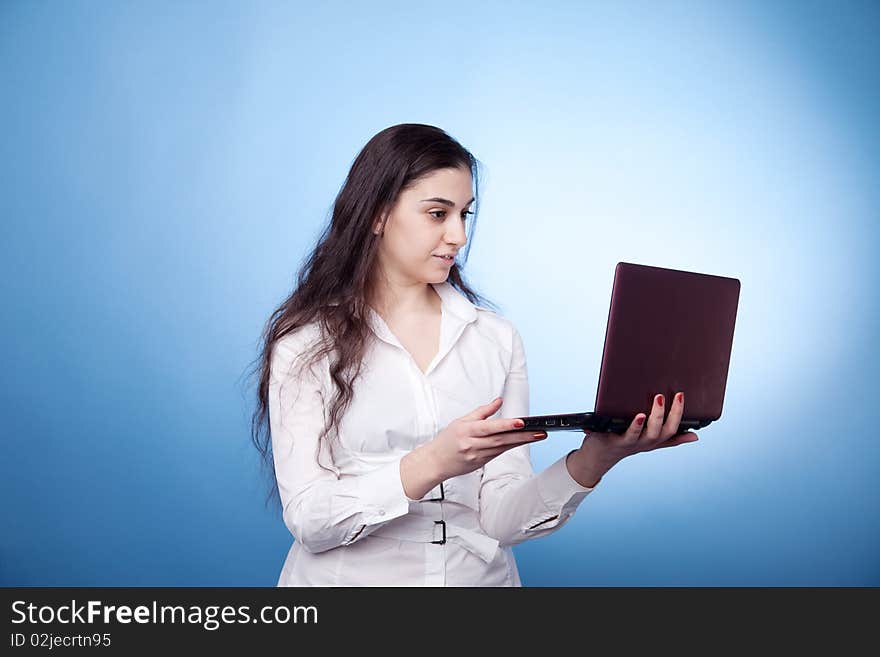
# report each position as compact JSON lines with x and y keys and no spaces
{"x":434,"y":214}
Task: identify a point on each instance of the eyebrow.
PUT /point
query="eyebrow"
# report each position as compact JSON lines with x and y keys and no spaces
{"x":444,"y":201}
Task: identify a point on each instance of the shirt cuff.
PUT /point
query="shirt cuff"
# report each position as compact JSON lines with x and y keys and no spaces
{"x":382,"y":494}
{"x":559,"y":490}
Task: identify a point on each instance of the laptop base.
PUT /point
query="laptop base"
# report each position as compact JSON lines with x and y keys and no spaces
{"x":593,"y":422}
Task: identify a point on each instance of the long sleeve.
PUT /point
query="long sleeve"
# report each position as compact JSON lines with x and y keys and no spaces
{"x":321,"y":509}
{"x":515,"y":503}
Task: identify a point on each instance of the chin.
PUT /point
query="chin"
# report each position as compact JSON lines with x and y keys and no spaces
{"x":439,"y":277}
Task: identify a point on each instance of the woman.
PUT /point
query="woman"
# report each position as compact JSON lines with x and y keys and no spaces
{"x":392,"y":393}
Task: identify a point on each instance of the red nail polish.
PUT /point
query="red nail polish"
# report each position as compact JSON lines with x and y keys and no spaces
{"x":640,"y":420}
{"x":660,"y":400}
{"x":680,"y":397}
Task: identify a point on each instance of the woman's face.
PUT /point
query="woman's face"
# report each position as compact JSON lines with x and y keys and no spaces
{"x":427,"y":221}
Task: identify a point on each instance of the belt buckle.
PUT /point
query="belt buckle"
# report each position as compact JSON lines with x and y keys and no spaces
{"x":442,"y":523}
{"x":437,"y":499}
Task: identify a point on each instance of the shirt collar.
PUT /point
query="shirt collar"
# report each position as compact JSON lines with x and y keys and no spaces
{"x":455,"y":302}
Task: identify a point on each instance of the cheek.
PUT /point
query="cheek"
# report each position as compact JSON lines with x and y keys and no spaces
{"x":413,"y":244}
{"x":418,"y":245}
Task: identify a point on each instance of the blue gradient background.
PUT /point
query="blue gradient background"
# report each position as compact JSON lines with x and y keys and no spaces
{"x":166,"y":167}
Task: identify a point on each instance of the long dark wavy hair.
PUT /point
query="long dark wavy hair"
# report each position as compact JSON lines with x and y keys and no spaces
{"x":335,"y":281}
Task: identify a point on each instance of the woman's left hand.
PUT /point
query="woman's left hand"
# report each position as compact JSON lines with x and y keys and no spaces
{"x":600,"y":451}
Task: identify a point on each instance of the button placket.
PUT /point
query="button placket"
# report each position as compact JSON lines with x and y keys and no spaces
{"x":432,"y":405}
{"x":423,"y":411}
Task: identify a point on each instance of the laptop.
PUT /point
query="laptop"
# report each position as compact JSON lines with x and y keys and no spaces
{"x":668,"y":331}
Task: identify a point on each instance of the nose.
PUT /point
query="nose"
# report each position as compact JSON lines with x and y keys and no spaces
{"x":455,"y":233}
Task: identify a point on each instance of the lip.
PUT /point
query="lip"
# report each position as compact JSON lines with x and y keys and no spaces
{"x":448,"y":263}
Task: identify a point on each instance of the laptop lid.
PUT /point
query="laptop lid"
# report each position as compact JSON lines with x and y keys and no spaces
{"x":668,"y":330}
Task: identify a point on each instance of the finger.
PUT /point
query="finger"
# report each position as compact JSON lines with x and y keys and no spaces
{"x":680,"y":439}
{"x":484,"y":411}
{"x":492,"y":452}
{"x":511,"y":438}
{"x":676,"y":410}
{"x":635,"y":428}
{"x":655,"y":419}
{"x":498,"y":425}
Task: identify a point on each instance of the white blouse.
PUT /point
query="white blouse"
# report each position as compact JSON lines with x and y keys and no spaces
{"x":353,"y":525}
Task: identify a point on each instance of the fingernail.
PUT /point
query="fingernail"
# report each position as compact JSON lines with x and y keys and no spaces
{"x":681,"y":398}
{"x":660,"y":400}
{"x":539,"y":435}
{"x":640,"y":419}
{"x":519,"y":424}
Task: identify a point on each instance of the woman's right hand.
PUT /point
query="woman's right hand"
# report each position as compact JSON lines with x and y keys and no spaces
{"x":471,"y":441}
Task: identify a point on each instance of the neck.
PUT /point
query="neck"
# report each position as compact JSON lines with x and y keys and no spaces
{"x":400,"y":299}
